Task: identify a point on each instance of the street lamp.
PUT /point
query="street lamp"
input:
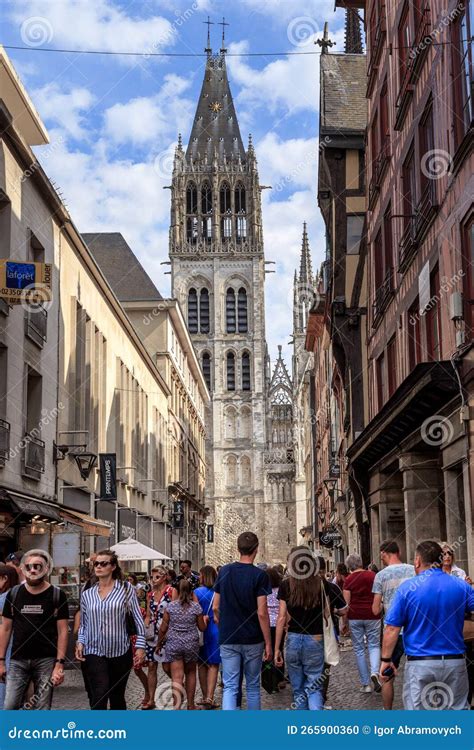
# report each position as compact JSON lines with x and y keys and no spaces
{"x":330,"y":485}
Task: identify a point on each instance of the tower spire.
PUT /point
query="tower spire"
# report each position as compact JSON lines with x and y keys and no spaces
{"x":352,"y":33}
{"x":223,"y":24}
{"x":209,"y":23}
{"x":306,"y":270}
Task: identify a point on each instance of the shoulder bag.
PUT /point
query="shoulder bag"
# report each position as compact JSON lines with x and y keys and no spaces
{"x":331,"y":648}
{"x":130,"y":624}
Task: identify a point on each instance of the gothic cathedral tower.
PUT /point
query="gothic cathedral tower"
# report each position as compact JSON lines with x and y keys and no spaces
{"x":218,"y":272}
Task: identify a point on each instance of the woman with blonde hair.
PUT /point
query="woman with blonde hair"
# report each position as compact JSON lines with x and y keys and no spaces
{"x":182,"y":620}
{"x":157,"y":600}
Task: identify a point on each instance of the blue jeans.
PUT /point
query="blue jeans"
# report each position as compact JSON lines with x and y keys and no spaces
{"x":371,"y":630}
{"x":20,"y":674}
{"x":305,"y":664}
{"x":248,"y":657}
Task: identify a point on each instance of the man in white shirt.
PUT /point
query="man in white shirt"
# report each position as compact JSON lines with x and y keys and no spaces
{"x":385,"y":585}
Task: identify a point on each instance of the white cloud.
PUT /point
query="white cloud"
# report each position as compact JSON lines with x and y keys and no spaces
{"x":283,"y":227}
{"x":289,"y":83}
{"x":147,"y":119}
{"x":283,"y":12}
{"x":66,"y":109}
{"x":287,"y":163}
{"x":93,"y":24}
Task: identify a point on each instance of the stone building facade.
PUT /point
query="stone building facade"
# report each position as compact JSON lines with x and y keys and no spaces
{"x":217,"y":275}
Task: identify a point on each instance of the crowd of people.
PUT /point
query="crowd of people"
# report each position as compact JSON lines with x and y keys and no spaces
{"x":254,"y":626}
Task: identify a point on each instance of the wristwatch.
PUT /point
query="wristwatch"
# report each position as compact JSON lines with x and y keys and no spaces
{"x":60,"y":661}
{"x":385,"y":659}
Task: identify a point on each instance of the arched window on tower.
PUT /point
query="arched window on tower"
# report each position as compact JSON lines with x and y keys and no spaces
{"x":191,"y":212}
{"x":206,"y":369}
{"x":245,"y":472}
{"x":231,"y":471}
{"x":242,"y":310}
{"x":231,"y":371}
{"x":204,"y":311}
{"x":246,"y":371}
{"x":230,"y":423}
{"x":206,"y":210}
{"x":192,"y":311}
{"x":240,"y":212}
{"x":230,"y":311}
{"x":226,"y":211}
{"x":245,"y":424}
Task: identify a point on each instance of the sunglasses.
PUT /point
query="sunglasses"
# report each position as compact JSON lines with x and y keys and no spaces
{"x":102,"y":563}
{"x":34,"y":566}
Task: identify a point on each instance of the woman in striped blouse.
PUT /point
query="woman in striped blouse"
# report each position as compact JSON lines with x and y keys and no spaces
{"x":103,"y":643}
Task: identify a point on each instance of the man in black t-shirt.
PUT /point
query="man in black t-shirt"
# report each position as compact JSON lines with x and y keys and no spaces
{"x":35,"y":615}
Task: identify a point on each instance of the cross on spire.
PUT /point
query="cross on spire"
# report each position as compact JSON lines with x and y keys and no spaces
{"x":325,"y":42}
{"x":209,"y":24}
{"x":223,"y":23}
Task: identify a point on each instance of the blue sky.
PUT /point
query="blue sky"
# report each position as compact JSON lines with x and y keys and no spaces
{"x":113,"y":121}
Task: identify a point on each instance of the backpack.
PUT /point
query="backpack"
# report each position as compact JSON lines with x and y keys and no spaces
{"x":16,"y":589}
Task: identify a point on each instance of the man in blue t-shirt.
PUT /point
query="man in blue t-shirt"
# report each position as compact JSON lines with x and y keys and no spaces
{"x":431,"y":609}
{"x":240,"y":610}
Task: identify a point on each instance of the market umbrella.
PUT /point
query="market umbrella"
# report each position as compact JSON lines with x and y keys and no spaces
{"x":131,"y":549}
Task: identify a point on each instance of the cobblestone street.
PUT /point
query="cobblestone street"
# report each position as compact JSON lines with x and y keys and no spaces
{"x":343,"y":691}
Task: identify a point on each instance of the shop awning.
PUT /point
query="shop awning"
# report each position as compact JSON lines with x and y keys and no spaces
{"x":131,"y":549}
{"x":25,"y":506}
{"x":89,"y":524}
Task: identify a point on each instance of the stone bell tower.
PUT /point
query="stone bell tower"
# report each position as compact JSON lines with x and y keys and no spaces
{"x":218,"y":272}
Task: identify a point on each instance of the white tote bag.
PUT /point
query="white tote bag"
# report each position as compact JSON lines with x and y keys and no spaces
{"x":331,"y":648}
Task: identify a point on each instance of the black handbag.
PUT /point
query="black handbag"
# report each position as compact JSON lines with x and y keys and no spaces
{"x":270,"y":677}
{"x":130,"y":624}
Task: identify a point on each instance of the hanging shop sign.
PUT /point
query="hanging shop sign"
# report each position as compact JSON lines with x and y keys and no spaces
{"x":330,"y":537}
{"x":178,"y":514}
{"x":108,"y":476}
{"x":210,"y":533}
{"x":25,"y":281}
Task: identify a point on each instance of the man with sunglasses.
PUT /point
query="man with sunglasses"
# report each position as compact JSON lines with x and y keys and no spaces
{"x":36,"y":615}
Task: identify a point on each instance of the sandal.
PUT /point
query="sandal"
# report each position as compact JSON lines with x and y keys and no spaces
{"x":149,"y":706}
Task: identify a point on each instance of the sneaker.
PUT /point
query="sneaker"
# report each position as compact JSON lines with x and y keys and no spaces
{"x":376,"y":682}
{"x":365,"y":689}
{"x":327,"y":707}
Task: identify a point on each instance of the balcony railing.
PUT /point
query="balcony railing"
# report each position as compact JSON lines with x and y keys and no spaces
{"x":404,"y":95}
{"x":36,"y":322}
{"x":407,"y":245}
{"x":376,"y":50}
{"x":378,"y":171}
{"x":425,"y":211}
{"x":382,"y":297}
{"x":4,"y":440}
{"x":33,"y":456}
{"x":420,"y":46}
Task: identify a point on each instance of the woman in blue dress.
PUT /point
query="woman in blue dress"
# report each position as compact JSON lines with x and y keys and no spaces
{"x":209,"y":654}
{"x":8,"y":579}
